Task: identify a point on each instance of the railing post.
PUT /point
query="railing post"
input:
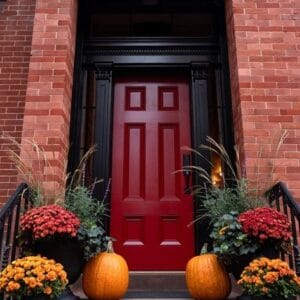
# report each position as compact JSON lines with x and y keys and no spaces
{"x":9,"y":223}
{"x":297,"y":259}
{"x":287,"y":205}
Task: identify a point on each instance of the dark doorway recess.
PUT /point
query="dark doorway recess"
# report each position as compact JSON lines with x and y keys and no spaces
{"x":153,"y":38}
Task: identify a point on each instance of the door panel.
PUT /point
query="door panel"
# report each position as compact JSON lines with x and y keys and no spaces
{"x":149,"y":212}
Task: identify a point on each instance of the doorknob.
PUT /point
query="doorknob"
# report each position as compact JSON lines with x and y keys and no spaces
{"x":186,"y":172}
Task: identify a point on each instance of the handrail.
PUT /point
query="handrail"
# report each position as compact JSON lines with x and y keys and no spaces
{"x":286,"y":204}
{"x":10,"y":213}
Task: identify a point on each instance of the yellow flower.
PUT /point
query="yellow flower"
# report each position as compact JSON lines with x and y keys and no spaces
{"x":32,"y":282}
{"x":18,"y":276}
{"x":51,"y":276}
{"x":47,"y":290}
{"x":41,"y":277}
{"x":12,"y":286}
{"x":10,"y":274}
{"x":63,"y":275}
{"x":271,"y":277}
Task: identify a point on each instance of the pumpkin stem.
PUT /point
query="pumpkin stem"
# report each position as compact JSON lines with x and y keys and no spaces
{"x":110,"y":248}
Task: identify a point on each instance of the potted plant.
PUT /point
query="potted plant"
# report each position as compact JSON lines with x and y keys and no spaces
{"x":239,"y":238}
{"x":225,"y":205}
{"x":51,"y":231}
{"x":234,"y":247}
{"x":231,"y":192}
{"x":221,"y":200}
{"x":225,"y":188}
{"x":33,"y":277}
{"x":91,"y":234}
{"x":266,"y":278}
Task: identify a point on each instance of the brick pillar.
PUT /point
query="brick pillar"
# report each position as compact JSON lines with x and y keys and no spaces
{"x":16,"y":24}
{"x":49,"y":90}
{"x":264,"y":55}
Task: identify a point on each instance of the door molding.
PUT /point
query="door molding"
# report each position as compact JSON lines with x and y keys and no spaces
{"x":166,"y":50}
{"x":198,"y":57}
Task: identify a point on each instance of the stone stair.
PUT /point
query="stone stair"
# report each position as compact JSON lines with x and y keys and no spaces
{"x":156,"y":285}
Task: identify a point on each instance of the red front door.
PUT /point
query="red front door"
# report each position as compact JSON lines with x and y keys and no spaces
{"x":149,"y":211}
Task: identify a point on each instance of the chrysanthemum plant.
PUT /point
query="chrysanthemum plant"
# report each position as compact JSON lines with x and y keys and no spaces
{"x":46,"y":222}
{"x":267,"y":227}
{"x":75,"y":214}
{"x":270,"y":278}
{"x":33,"y":276}
{"x":253,"y":233}
{"x":227,"y":203}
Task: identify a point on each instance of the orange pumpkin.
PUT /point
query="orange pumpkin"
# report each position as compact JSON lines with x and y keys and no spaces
{"x":207,"y":279}
{"x":106,"y":276}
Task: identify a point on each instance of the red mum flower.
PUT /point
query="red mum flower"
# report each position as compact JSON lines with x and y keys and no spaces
{"x":49,"y":220}
{"x":264,"y":223}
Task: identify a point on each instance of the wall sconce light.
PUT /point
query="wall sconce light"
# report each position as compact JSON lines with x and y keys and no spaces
{"x":216,"y":172}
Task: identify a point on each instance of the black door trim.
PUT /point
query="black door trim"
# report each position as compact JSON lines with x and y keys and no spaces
{"x":106,"y":57}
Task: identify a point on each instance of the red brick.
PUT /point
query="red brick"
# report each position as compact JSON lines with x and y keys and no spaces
{"x":16,"y":24}
{"x":276,"y":58}
{"x":51,"y":68}
{"x":263,"y":51}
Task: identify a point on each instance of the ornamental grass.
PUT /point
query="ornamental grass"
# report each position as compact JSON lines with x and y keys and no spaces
{"x":270,"y":278}
{"x":32,"y":276}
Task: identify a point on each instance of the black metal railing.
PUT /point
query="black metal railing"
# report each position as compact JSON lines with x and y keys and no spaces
{"x":10,"y":213}
{"x":280,"y":197}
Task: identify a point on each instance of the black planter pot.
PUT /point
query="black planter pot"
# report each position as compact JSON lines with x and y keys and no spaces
{"x":38,"y":297}
{"x":237,"y":265}
{"x":269,"y":251}
{"x":249,"y":297}
{"x":65,"y":251}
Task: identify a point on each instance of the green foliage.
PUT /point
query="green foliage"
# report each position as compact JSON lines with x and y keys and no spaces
{"x":218,"y":201}
{"x":229,"y":241}
{"x":80,"y":201}
{"x":233,"y":194}
{"x":93,"y":239}
{"x":91,"y":234}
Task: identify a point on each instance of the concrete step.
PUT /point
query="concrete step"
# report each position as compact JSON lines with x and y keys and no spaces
{"x":156,"y":285}
{"x":157,"y":281}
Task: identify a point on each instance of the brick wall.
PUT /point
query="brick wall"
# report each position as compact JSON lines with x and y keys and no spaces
{"x":16,"y":23}
{"x":264,"y":55}
{"x":49,"y":91}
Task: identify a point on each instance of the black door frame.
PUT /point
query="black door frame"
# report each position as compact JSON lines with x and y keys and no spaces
{"x":108,"y":56}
